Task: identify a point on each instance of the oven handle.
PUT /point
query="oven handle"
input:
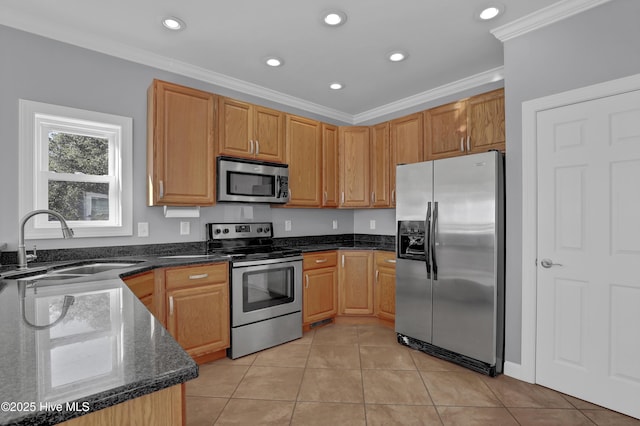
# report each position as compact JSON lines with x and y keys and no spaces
{"x":260,"y":262}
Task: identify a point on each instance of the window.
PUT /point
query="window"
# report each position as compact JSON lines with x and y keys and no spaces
{"x":78,"y":163}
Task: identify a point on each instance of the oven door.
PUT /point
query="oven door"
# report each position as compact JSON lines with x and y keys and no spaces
{"x":265,"y":289}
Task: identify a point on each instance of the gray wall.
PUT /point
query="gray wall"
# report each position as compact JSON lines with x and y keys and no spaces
{"x":598,"y":45}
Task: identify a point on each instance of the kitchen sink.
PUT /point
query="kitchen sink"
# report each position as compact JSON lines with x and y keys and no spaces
{"x":91,"y":268}
{"x":186,"y":256}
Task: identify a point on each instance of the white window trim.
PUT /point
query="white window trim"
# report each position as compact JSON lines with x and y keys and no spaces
{"x":34,"y":118}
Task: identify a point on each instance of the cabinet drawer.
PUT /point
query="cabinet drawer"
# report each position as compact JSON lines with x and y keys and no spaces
{"x":317,"y":260}
{"x":141,"y":284}
{"x":196,"y":275}
{"x":385,"y":259}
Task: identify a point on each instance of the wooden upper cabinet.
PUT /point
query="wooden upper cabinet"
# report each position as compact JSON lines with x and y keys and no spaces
{"x":407,"y":145}
{"x":304,"y":156}
{"x":485,"y":122}
{"x":354,"y":166}
{"x":445,"y":130}
{"x":330,"y":187}
{"x":180,"y":145}
{"x":476,"y":124}
{"x":250,"y":131}
{"x":380,"y":165}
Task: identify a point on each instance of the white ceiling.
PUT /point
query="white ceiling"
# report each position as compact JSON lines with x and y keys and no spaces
{"x":225,"y":43}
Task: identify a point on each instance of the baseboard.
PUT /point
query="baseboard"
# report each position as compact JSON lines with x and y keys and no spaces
{"x":516,"y":371}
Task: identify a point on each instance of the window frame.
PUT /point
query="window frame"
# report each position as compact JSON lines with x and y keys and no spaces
{"x":37,"y":120}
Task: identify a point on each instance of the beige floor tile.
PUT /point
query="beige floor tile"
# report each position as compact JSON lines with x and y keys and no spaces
{"x":610,"y":418}
{"x":306,"y":339}
{"x":394,"y":387}
{"x":336,"y":335}
{"x":385,"y":415}
{"x":275,"y":383}
{"x":288,"y":355}
{"x":324,"y":414}
{"x":245,"y":360}
{"x":550,"y":416}
{"x":516,"y":393}
{"x":372,"y":335}
{"x":329,"y":385}
{"x":256,"y":412}
{"x":425,"y":362}
{"x":459,"y":389}
{"x":334,"y":356}
{"x":476,"y":416}
{"x":216,"y":380}
{"x":386,"y":357}
{"x":581,"y":404}
{"x":203,"y":411}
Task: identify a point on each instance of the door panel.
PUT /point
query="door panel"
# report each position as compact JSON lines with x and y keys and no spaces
{"x":588,"y":315}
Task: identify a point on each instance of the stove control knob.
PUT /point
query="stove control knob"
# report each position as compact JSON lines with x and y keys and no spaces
{"x":226,"y":230}
{"x":259,"y":230}
{"x":266,"y":230}
{"x":217,"y":231}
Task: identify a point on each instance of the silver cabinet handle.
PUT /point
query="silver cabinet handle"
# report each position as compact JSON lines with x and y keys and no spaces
{"x":468,"y":144}
{"x":343,"y":260}
{"x":342,"y":198}
{"x":373,"y":197}
{"x":462,"y":144}
{"x":393,"y":195}
{"x":377,"y":275}
{"x":321,"y":260}
{"x":170,"y":305}
{"x":257,"y":147}
{"x":548,"y":263}
{"x":306,"y":277}
{"x":390,"y":260}
{"x":251,"y":147}
{"x":324,"y":198}
{"x":161,"y":189}
{"x":198,"y":276}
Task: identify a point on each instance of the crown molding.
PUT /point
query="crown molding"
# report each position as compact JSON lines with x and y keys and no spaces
{"x":490,"y":76}
{"x":543,"y":17}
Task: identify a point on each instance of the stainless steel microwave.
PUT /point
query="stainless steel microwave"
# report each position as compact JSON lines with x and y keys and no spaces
{"x":250,"y":181}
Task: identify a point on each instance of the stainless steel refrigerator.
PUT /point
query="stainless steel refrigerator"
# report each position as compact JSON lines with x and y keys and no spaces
{"x":450,"y":259}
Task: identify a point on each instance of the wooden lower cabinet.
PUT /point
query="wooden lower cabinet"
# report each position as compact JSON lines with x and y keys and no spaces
{"x":161,"y":408}
{"x":143,"y":286}
{"x":355,"y":282}
{"x":385,"y":285}
{"x":320,"y":287}
{"x":197,"y":309}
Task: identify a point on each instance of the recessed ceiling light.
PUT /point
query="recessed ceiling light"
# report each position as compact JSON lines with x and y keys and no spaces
{"x":491,"y":11}
{"x":336,"y":86}
{"x":173,"y":23}
{"x":273,"y":61}
{"x":397,"y":56}
{"x":334,"y":18}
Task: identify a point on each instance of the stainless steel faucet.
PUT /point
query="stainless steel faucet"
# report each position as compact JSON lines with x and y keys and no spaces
{"x":23,"y":257}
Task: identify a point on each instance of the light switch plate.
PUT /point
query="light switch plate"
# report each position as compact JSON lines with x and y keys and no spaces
{"x":287,"y":225}
{"x":185,"y":228}
{"x":335,"y":223}
{"x":143,"y":229}
{"x":372,"y":224}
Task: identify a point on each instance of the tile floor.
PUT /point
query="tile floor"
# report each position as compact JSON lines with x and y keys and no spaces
{"x":354,"y":373}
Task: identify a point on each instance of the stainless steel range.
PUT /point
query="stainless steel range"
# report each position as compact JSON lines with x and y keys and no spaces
{"x":266,"y":286}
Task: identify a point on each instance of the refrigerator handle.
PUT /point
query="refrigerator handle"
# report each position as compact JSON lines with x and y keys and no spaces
{"x":427,"y":246}
{"x":434,"y":236}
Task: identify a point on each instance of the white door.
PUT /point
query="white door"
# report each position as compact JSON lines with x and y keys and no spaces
{"x":588,"y":300}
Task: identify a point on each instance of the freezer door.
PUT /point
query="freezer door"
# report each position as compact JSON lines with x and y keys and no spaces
{"x":465,"y":291}
{"x":413,"y":288}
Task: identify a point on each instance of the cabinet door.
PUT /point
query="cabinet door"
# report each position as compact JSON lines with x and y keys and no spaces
{"x":234,"y":128}
{"x":330,"y":187}
{"x":354,"y":158}
{"x":304,"y":156}
{"x":445,"y":131}
{"x":380,"y":165}
{"x":180,"y":148}
{"x":320,"y":294}
{"x":198,"y":318}
{"x":355,"y":279}
{"x":485,"y":122}
{"x":268,"y":134}
{"x":407,"y":145}
{"x":385,"y":285}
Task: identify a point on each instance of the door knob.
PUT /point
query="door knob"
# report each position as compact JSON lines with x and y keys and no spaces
{"x":548,"y":263}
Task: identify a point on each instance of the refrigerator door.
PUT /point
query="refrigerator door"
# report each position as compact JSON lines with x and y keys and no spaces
{"x":465,"y":289}
{"x":413,"y":288}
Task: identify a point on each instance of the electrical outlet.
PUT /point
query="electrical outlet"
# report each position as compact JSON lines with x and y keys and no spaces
{"x":335,"y":223}
{"x":185,"y":228}
{"x":372,"y":224}
{"x":143,"y":229}
{"x":287,"y":225}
